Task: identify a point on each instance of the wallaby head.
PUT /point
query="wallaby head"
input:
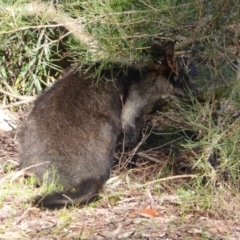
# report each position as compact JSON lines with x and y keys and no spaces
{"x":159,"y":81}
{"x":71,"y":134}
{"x":167,"y":65}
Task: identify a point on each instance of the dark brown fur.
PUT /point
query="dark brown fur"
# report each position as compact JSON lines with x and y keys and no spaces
{"x":73,"y":129}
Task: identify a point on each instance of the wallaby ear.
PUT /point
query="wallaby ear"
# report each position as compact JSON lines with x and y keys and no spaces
{"x":170,"y":58}
{"x":164,"y":55}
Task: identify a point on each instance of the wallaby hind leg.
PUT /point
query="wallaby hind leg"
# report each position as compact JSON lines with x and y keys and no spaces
{"x":83,"y":194}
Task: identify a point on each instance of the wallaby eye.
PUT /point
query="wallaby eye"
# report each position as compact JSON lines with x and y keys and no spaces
{"x":176,"y":78}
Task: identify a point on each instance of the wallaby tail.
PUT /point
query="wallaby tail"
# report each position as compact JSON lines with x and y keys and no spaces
{"x":84,"y":193}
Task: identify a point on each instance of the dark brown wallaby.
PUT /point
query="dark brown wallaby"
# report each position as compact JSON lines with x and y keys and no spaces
{"x":72,"y":132}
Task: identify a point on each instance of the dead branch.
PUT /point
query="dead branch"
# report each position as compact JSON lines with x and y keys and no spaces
{"x":61,"y":18}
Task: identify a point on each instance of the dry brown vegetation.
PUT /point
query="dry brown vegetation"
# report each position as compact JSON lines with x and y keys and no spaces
{"x":183,"y":180}
{"x":149,"y":201}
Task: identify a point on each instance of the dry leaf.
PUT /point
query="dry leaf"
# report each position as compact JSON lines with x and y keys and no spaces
{"x":113,"y":200}
{"x":149,"y":212}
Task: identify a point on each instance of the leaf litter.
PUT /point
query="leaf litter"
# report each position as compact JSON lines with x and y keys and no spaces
{"x":139,"y":211}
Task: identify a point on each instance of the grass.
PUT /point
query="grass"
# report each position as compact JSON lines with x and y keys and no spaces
{"x":183,"y":211}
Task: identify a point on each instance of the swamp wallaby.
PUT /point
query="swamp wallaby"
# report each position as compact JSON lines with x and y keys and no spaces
{"x":71,"y":134}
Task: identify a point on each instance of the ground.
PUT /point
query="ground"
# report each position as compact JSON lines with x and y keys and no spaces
{"x":143,"y":202}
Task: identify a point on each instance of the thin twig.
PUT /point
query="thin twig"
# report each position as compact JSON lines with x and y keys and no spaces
{"x":17,"y":96}
{"x":18,"y":103}
{"x":170,"y":178}
{"x":152,"y":159}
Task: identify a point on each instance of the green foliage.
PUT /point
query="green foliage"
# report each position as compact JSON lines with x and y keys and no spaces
{"x":27,"y":66}
{"x":34,"y":49}
{"x":36,"y":45}
{"x":51,"y":181}
{"x":216,"y":151}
